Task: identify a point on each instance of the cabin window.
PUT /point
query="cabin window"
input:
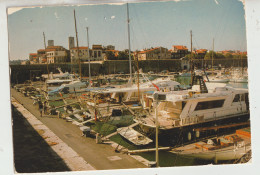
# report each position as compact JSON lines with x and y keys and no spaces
{"x":236,"y":98}
{"x":161,"y":97}
{"x":209,"y":104}
{"x":183,"y":104}
{"x":242,"y":97}
{"x":173,"y":109}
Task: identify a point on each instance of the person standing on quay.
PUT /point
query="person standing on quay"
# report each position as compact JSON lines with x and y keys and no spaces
{"x":45,"y":107}
{"x":40,"y":107}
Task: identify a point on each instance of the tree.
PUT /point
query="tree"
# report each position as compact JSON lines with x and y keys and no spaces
{"x":122,"y":55}
{"x":219,"y":55}
{"x":208,"y":55}
{"x":244,"y":55}
{"x":228,"y":55}
{"x":110,"y":55}
{"x":194,"y":56}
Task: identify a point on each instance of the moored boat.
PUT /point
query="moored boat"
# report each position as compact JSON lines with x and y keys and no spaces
{"x":229,"y":147}
{"x":181,"y":111}
{"x":133,"y":136}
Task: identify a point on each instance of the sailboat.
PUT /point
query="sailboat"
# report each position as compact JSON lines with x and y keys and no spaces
{"x":219,"y":78}
{"x":71,"y":84}
{"x":228,"y":147}
{"x":130,"y":91}
{"x":55,"y":80}
{"x":238,"y":75}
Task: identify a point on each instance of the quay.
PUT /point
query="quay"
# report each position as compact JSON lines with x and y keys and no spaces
{"x":100,"y":156}
{"x":73,"y":161}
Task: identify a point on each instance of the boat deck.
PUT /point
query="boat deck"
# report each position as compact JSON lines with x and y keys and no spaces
{"x":227,"y":147}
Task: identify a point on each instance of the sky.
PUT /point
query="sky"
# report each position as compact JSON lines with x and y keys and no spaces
{"x":152,"y":24}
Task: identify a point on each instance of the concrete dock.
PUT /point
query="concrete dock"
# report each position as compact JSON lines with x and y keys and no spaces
{"x":99,"y":156}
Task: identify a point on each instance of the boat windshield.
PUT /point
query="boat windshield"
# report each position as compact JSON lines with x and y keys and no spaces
{"x":171,"y":109}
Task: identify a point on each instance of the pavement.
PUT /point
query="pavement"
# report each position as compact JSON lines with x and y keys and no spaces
{"x":99,"y":156}
{"x":70,"y":158}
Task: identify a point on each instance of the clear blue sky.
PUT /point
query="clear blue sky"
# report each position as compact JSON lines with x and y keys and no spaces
{"x":152,"y":24}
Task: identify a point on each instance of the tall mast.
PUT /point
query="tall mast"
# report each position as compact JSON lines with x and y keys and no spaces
{"x":138,"y":88}
{"x":156,"y":132}
{"x":191,"y":57}
{"x":129,"y":46}
{"x":46,"y":56}
{"x":212,"y":56}
{"x":77,"y":44}
{"x":190,"y":50}
{"x":89,"y":72}
{"x":242,"y":64}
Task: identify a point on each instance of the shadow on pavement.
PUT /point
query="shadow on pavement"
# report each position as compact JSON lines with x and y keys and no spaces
{"x":31,"y":152}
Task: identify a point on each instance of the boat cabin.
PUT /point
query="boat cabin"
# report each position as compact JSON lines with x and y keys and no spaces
{"x":181,"y":108}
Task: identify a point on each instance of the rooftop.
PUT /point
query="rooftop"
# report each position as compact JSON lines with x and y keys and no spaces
{"x":180,"y":47}
{"x":149,"y":50}
{"x":82,"y":47}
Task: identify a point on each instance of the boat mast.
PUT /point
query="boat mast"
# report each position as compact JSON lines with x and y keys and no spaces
{"x":191,"y":57}
{"x":156,"y":131}
{"x":242,"y":68}
{"x":138,"y":88}
{"x":77,"y":44}
{"x":89,"y":73}
{"x":129,"y":46}
{"x":46,"y":56}
{"x":212,"y":56}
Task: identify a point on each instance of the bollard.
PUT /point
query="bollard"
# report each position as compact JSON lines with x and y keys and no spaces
{"x":98,"y":138}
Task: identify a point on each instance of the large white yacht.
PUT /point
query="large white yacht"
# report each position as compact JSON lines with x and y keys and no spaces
{"x":204,"y":104}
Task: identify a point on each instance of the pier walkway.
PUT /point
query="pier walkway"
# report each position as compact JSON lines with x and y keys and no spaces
{"x":99,"y":156}
{"x":72,"y":160}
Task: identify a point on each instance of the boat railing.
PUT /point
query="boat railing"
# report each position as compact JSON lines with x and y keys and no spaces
{"x":213,"y":115}
{"x":191,"y":120}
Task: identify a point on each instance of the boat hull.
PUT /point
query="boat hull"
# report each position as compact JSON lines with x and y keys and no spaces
{"x":179,"y":135}
{"x":239,"y":80}
{"x":219,"y":80}
{"x":231,"y":153}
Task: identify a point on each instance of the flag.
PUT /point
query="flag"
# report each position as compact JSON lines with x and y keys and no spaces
{"x":156,"y":87}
